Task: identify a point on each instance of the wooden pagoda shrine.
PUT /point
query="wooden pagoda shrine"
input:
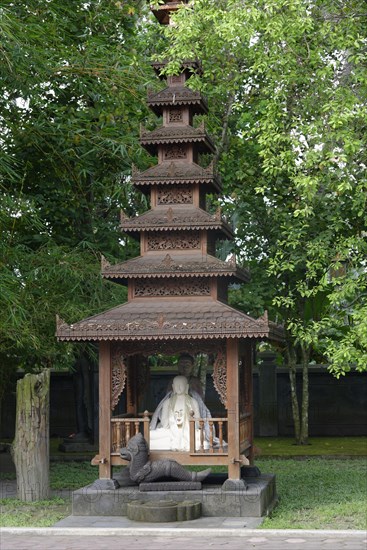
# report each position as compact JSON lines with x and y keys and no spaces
{"x":177,"y":292}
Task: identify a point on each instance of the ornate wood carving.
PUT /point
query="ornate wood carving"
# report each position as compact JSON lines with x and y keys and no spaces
{"x":118,"y":375}
{"x":220,"y":376}
{"x":175,"y":172}
{"x":194,"y":321}
{"x":173,"y":219}
{"x":160,"y":320}
{"x":176,"y":78}
{"x":169,"y":215}
{"x":180,"y":95}
{"x":174,"y":240}
{"x":151,"y":347}
{"x":198,"y":286}
{"x":174,"y":152}
{"x":175,"y":115}
{"x":178,"y":195}
{"x":168,"y":261}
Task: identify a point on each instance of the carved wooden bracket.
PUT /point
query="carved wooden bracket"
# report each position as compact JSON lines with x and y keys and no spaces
{"x":220,"y":376}
{"x":118,"y":376}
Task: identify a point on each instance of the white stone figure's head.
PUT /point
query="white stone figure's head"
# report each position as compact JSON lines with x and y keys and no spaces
{"x":180,"y":385}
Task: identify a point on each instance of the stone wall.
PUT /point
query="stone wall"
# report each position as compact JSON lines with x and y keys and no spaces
{"x":337,"y":407}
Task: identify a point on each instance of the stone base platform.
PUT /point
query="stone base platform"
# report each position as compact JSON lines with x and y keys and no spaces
{"x":256,"y":500}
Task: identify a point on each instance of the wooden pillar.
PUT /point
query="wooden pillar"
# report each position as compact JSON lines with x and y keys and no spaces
{"x":234,"y":466}
{"x":247,"y":358}
{"x":105,"y":469}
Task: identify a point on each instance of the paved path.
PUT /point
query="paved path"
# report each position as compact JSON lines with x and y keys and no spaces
{"x":178,"y":539}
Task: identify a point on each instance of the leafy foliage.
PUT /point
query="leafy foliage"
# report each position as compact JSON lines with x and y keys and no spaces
{"x":288,"y":84}
{"x":74,"y":77}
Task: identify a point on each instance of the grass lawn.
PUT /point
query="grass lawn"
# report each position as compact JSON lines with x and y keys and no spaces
{"x":44,"y":513}
{"x":318,"y":446}
{"x":318,"y":494}
{"x":314,"y":492}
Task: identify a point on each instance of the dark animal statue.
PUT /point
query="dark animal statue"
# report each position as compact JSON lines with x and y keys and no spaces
{"x":142,"y":469}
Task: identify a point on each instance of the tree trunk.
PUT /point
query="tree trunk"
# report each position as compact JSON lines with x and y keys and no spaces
{"x":292,"y":360}
{"x":31,"y":443}
{"x":303,"y":440}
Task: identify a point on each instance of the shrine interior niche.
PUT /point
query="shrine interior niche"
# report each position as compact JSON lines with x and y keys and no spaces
{"x":172,"y":392}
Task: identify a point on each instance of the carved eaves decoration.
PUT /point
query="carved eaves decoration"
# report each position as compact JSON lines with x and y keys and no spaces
{"x":176,"y":135}
{"x":177,"y":218}
{"x":169,"y":347}
{"x":175,"y":96}
{"x":177,"y":172}
{"x":118,"y":374}
{"x":172,"y":320}
{"x":220,"y":376}
{"x":173,"y":265}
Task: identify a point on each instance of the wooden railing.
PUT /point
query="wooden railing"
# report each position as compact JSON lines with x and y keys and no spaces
{"x":216,"y":427}
{"x":124,"y":428}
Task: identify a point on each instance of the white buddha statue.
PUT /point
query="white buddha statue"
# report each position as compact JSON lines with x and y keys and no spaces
{"x":173,"y":429}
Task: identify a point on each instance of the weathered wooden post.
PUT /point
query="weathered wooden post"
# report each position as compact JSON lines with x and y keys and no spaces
{"x":31,"y":444}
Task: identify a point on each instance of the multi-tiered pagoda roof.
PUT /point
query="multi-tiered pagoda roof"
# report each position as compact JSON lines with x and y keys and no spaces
{"x":177,"y":287}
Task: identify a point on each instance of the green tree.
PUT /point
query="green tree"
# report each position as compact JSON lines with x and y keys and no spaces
{"x":74,"y":77}
{"x":288,"y":83}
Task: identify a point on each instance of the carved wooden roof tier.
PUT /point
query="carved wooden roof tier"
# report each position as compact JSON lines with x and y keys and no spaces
{"x":162,"y":12}
{"x":176,"y":173}
{"x":175,"y":96}
{"x":158,"y":319}
{"x":153,"y":265}
{"x":166,"y":135}
{"x":176,"y":218}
